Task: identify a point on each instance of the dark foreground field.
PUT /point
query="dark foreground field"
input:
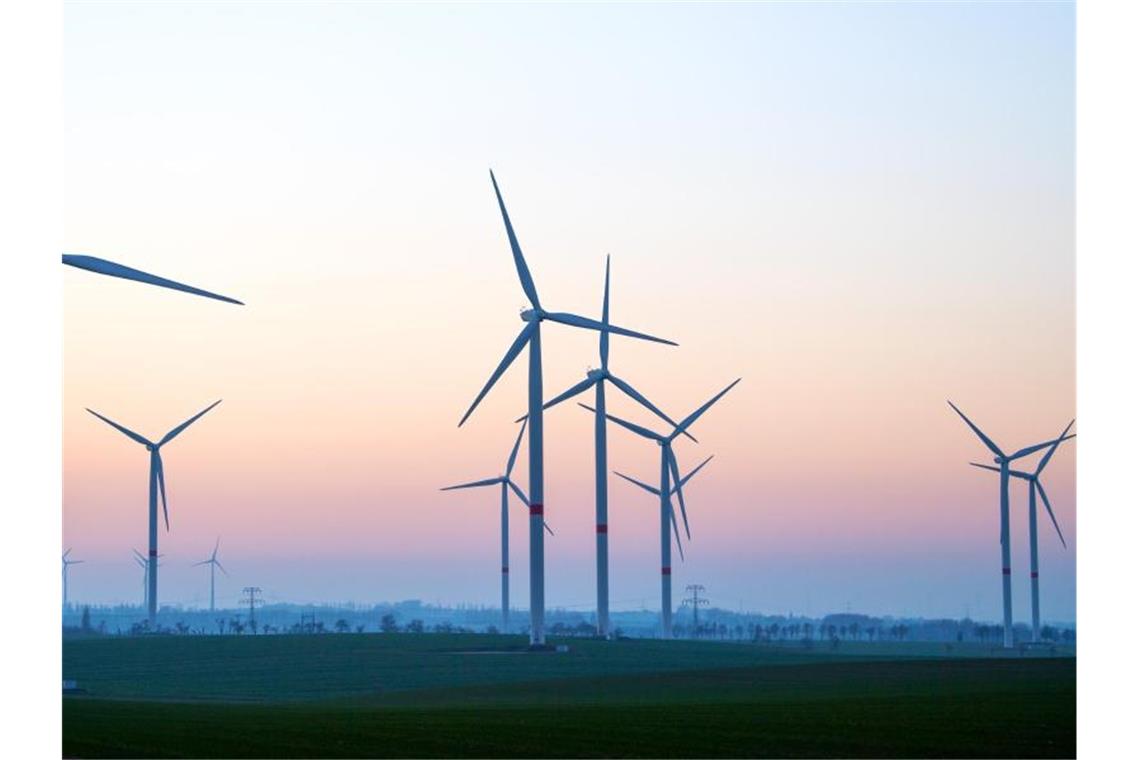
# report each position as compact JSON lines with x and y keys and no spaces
{"x":406,"y":695}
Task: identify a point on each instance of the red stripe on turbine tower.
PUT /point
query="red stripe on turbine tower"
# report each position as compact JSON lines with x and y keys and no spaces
{"x":506,"y":569}
{"x":535,"y":509}
{"x":1033,"y":574}
{"x":603,"y":528}
{"x":666,"y":571}
{"x":153,"y":552}
{"x":1005,"y":571}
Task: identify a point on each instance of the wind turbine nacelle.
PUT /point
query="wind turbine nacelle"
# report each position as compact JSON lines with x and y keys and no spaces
{"x":594,"y":374}
{"x":529,"y":315}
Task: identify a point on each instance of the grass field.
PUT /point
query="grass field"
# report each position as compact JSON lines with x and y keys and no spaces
{"x":406,"y":695}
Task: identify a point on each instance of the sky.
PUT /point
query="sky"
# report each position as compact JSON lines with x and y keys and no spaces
{"x":863,"y":210}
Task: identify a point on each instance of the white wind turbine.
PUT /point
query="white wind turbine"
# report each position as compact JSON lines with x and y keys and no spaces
{"x":531,"y":337}
{"x":505,"y":484}
{"x":157,"y":481}
{"x":213,"y":563}
{"x":597,"y":378}
{"x":1003,"y":461}
{"x":1034,"y":482}
{"x":66,"y":564}
{"x":669,"y":470}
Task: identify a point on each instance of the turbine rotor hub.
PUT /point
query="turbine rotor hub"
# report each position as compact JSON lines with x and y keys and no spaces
{"x":529,"y":315}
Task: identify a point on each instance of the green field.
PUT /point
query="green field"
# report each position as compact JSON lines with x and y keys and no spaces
{"x":374,"y":695}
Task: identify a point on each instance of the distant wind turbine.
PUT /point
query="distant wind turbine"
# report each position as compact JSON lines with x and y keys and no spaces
{"x":111,"y":269}
{"x":669,"y":469}
{"x":213,"y":563}
{"x":1003,"y":460}
{"x":1034,"y":481}
{"x":157,"y":482}
{"x":531,"y":336}
{"x":505,"y":484}
{"x":672,"y":512}
{"x":66,"y":564}
{"x":597,"y":378}
{"x":140,"y":560}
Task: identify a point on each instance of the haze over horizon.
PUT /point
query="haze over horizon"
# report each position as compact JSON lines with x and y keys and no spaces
{"x":862,"y":212}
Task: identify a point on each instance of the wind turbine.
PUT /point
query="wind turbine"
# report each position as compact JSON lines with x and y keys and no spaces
{"x":672,"y":512}
{"x":157,"y":486}
{"x":1034,"y":481}
{"x":505,"y":484}
{"x":669,"y":469}
{"x":1003,"y":461}
{"x":140,"y":560}
{"x":111,"y":269}
{"x":66,"y":564}
{"x":597,"y":379}
{"x":531,"y":336}
{"x":213,"y":563}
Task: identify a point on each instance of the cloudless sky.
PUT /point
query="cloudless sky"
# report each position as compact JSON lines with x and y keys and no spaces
{"x":863,"y":210}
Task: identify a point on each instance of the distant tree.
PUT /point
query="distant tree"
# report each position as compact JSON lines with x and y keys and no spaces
{"x":341,"y":626}
{"x":808,"y":627}
{"x":388,"y":623}
{"x":1048,"y":633}
{"x":853,"y":629}
{"x":360,"y":629}
{"x":492,"y":630}
{"x":416,"y":626}
{"x":85,"y":619}
{"x":265,"y":628}
{"x":1068,"y":635}
{"x":221,"y":626}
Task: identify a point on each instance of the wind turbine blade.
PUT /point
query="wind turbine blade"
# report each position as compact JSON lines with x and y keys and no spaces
{"x":629,"y":390}
{"x":548,"y":530}
{"x":217,"y":543}
{"x":203,"y":562}
{"x":977,"y":431}
{"x":703,"y":408}
{"x":644,"y":432}
{"x":161,"y":487}
{"x":219,"y":564}
{"x":176,"y":431}
{"x":515,"y":450}
{"x":1049,"y":454}
{"x":512,"y":352}
{"x":680,"y":493}
{"x":111,"y":269}
{"x":1030,"y":449}
{"x":592,"y":324}
{"x":520,"y":263}
{"x":636,"y":482}
{"x":138,"y":554}
{"x":129,"y":433}
{"x":986,"y":466}
{"x":604,"y":336}
{"x":76,"y":561}
{"x":1049,"y":509}
{"x":694,"y":471}
{"x":66,"y":553}
{"x":676,"y":533}
{"x":475,"y":484}
{"x":519,"y":493}
{"x":571,"y":392}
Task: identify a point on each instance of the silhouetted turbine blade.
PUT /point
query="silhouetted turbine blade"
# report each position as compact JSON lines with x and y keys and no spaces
{"x":525,"y":279}
{"x":512,"y":352}
{"x":129,"y":433}
{"x":111,"y":269}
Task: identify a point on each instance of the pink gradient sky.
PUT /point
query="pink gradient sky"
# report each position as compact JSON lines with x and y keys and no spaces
{"x":859,"y":247}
